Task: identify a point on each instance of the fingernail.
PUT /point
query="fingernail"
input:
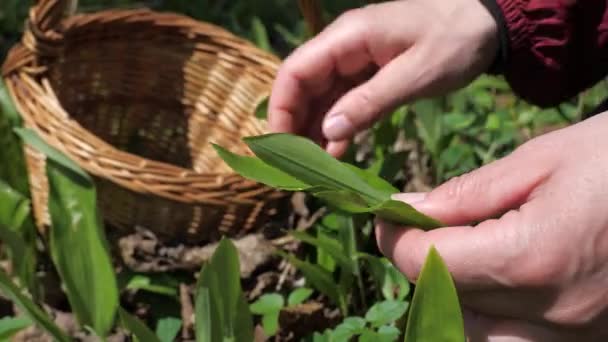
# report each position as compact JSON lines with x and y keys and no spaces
{"x":410,"y":198}
{"x":337,"y":127}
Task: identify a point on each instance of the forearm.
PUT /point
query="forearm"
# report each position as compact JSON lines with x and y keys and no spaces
{"x":555,"y":49}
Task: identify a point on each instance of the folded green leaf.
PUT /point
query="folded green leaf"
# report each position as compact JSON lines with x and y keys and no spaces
{"x":254,"y":169}
{"x":222,"y":312}
{"x":374,"y":180}
{"x":9,"y":326}
{"x":139,"y":330}
{"x":435,"y":314}
{"x":293,"y":163}
{"x":307,"y":162}
{"x":346,"y":201}
{"x":31,"y":310}
{"x":79,"y":248}
{"x":403,"y":213}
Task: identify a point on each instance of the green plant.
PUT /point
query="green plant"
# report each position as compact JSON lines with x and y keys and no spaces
{"x":78,"y":245}
{"x":434,"y":314}
{"x":222,"y":312}
{"x":9,"y":326}
{"x":293,"y":163}
{"x":269,"y":306}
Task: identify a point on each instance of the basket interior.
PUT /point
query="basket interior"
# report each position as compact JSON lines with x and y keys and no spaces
{"x":160,"y":92}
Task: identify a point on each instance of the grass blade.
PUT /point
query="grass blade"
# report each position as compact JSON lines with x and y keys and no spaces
{"x":222,"y":313}
{"x":139,"y":330}
{"x":31,"y":310}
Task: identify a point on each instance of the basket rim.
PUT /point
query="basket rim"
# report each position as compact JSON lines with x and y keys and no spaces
{"x":19,"y":80}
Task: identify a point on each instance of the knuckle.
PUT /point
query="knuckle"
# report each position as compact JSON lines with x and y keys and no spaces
{"x":457,"y":188}
{"x":352,"y":17}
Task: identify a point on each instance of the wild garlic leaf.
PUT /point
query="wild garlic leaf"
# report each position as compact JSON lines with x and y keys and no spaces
{"x":435,"y":313}
{"x":294,"y":163}
{"x":403,"y":213}
{"x":306,"y":161}
{"x":254,"y":169}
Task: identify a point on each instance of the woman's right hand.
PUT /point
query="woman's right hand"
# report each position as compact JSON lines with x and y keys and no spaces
{"x":373,"y":59}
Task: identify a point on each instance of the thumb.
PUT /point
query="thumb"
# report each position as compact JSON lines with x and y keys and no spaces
{"x":485,"y":193}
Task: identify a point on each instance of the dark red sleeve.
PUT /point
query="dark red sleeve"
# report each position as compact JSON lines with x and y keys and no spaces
{"x":557,"y":48}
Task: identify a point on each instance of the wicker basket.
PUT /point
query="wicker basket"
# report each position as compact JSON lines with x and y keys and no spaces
{"x":135,"y":97}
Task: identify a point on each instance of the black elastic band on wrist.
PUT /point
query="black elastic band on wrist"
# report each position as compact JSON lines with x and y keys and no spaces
{"x":502,"y":55}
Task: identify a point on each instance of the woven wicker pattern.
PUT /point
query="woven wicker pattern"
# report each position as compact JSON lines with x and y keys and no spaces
{"x":136,"y":97}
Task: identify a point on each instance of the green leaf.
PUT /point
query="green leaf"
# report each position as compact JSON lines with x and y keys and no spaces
{"x":268,"y":303}
{"x":342,"y":185}
{"x":386,"y":312}
{"x":299,"y":296}
{"x":402,"y":213}
{"x":7,"y":106}
{"x":435,"y":314}
{"x":222,"y":312}
{"x":139,"y":330}
{"x":254,"y":169}
{"x":168,"y":328}
{"x":317,"y":277}
{"x":261,"y":111}
{"x":148,"y":283}
{"x":374,"y":180}
{"x":396,"y":280}
{"x":35,"y":313}
{"x":79,"y":248}
{"x":9,"y":326}
{"x":351,"y":326}
{"x":330,"y":246}
{"x":306,"y":161}
{"x":388,"y":167}
{"x":18,"y":233}
{"x":270,"y":323}
{"x":260,"y":34}
{"x":388,"y":333}
{"x":14,"y":207}
{"x":33,"y":139}
{"x":344,"y":201}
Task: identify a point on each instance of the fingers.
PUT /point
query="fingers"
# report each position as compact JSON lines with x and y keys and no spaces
{"x":311,"y":72}
{"x":474,"y":256}
{"x":487,"y":192}
{"x":482,"y":328}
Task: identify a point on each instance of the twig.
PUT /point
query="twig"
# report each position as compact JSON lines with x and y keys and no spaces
{"x":187,"y":311}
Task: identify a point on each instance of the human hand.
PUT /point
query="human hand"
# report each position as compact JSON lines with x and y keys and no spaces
{"x":373,"y":59}
{"x":538,"y":272}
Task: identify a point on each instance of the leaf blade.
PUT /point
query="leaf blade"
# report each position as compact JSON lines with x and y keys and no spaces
{"x":30,"y":309}
{"x":435,"y":313}
{"x":255,"y":169}
{"x":79,"y":248}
